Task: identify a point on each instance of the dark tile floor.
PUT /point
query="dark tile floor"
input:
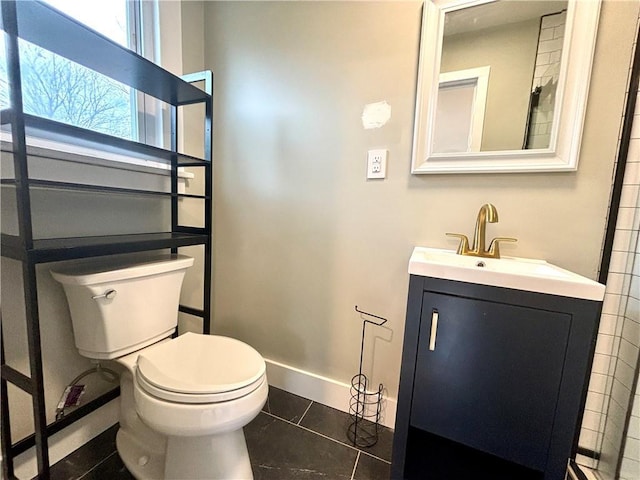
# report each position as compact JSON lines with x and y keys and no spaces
{"x":292,"y":438}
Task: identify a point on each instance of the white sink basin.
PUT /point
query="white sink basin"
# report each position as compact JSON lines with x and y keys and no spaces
{"x":509,"y":272}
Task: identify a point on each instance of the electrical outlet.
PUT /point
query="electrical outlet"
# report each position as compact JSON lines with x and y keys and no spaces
{"x":377,"y":163}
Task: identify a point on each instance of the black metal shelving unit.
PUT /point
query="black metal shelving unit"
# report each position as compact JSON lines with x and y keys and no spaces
{"x":48,"y":28}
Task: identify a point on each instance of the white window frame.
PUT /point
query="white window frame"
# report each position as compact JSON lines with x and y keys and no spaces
{"x":145,"y":37}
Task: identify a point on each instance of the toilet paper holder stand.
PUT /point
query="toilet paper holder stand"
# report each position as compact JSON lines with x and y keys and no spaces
{"x":365,"y":404}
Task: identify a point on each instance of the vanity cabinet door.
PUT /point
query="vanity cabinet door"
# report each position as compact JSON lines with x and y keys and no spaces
{"x":488,"y":376}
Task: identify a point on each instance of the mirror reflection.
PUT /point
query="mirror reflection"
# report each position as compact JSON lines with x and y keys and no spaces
{"x":499,"y":71}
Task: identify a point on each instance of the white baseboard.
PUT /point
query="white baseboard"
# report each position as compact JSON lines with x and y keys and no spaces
{"x":321,"y":389}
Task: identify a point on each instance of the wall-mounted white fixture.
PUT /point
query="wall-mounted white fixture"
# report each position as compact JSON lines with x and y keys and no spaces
{"x":377,"y":163}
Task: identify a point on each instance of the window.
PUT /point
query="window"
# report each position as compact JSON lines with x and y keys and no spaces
{"x":58,"y":89}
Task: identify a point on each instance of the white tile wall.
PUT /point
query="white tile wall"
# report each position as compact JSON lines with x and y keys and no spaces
{"x":546,"y":73}
{"x":630,"y":468}
{"x":628,"y":363}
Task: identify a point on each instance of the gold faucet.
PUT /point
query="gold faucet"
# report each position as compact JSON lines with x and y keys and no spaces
{"x":487,"y":213}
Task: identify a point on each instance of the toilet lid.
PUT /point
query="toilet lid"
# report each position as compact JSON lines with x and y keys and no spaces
{"x":200,"y":365}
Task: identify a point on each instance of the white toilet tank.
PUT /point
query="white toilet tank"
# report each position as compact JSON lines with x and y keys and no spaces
{"x":120,"y":305}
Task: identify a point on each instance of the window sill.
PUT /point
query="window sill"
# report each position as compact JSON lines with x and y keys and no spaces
{"x":44,"y":148}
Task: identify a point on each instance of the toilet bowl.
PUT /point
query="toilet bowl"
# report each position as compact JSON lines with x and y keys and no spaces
{"x":197,"y":391}
{"x":184,"y":401}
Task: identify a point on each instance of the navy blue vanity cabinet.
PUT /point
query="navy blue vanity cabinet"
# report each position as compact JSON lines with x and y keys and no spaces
{"x":497,"y":390}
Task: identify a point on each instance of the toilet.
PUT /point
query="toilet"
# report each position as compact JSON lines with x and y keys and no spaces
{"x":184,"y":400}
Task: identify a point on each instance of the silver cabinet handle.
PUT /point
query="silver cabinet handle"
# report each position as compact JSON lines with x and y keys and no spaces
{"x":109,"y":294}
{"x":434,"y":330}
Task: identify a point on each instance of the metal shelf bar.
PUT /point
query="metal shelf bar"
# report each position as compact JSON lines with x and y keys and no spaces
{"x":201,"y":163}
{"x":208,"y":212}
{"x":207,"y":78}
{"x":55,"y":249}
{"x":77,"y":42}
{"x":49,"y":250}
{"x":35,"y":364}
{"x":17,"y":378}
{"x":190,"y":230}
{"x":50,"y":184}
{"x":18,"y":138}
{"x":196,"y":312}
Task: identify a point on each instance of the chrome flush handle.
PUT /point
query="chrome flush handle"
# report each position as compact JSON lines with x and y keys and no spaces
{"x":109,"y":294}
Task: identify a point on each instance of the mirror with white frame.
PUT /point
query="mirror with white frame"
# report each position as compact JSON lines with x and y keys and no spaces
{"x":502,"y":85}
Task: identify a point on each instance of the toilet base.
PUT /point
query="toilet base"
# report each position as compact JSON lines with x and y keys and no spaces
{"x":227,"y":457}
{"x":226,"y":453}
{"x":141,"y":462}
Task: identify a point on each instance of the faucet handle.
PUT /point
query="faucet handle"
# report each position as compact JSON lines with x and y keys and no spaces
{"x":494,"y":246}
{"x":463,"y":247}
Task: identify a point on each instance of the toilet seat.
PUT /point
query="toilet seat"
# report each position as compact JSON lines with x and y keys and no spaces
{"x":195,"y":368}
{"x":197,"y":397}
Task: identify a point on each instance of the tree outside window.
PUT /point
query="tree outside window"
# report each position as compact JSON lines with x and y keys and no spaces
{"x":56,"y":88}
